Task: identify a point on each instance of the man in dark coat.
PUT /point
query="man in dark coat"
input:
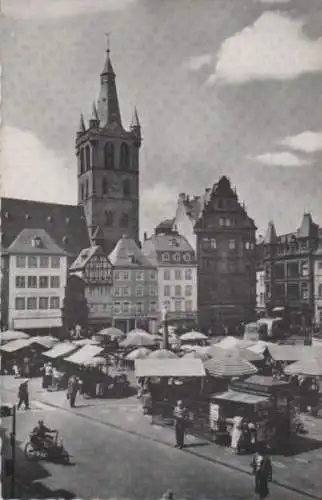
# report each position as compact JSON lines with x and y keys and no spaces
{"x":262,"y":470}
{"x":73,"y":387}
{"x":181,"y":417}
{"x":23,"y":395}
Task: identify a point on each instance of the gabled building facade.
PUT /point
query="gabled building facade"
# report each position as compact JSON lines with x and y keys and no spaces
{"x":289,"y":261}
{"x":37,"y":280}
{"x":108,"y":167}
{"x":94,"y":268}
{"x":175,"y":260}
{"x":135,"y":287}
{"x":226,"y":261}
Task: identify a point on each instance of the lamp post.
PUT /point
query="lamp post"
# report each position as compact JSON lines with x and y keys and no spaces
{"x":13,"y":448}
{"x":164,"y":312}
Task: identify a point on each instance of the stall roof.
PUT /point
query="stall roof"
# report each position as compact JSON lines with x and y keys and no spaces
{"x":169,"y":368}
{"x":61,"y":349}
{"x":241,"y":397}
{"x":290,"y":352}
{"x":84,"y":354}
{"x":16,"y":345}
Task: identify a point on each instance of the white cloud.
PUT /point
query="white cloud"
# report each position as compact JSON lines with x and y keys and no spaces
{"x":55,"y":9}
{"x":198,"y":62}
{"x":281,"y":159}
{"x":273,"y":47}
{"x":272,"y":1}
{"x":30,"y":170}
{"x":308,"y":141}
{"x":157,"y":202}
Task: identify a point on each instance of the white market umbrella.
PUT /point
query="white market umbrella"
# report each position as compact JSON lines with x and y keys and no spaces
{"x":138,"y":338}
{"x":112,"y":333}
{"x":98,"y":361}
{"x":310,"y":367}
{"x":140,"y":353}
{"x":162,"y":354}
{"x":228,"y":363}
{"x":190,"y":336}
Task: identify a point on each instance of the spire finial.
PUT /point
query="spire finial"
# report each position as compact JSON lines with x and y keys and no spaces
{"x":108,"y":42}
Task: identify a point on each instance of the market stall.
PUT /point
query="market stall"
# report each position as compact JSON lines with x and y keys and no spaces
{"x":22,"y":357}
{"x":262,"y":403}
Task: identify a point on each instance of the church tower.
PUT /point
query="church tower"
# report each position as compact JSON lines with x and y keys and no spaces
{"x":108,"y":167}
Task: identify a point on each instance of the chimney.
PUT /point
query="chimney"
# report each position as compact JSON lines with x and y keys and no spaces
{"x":145,"y":236}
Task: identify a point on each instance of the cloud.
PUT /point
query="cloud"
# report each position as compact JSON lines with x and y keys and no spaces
{"x":28,"y":166}
{"x":308,"y":141}
{"x":274,"y":47}
{"x":198,"y":62}
{"x":157,"y":202}
{"x":55,"y":9}
{"x":272,"y":2}
{"x":281,"y":159}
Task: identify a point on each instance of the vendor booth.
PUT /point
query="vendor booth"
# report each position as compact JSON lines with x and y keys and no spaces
{"x":264,"y":405}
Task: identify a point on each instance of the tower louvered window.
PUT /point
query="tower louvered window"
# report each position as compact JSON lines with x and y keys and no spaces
{"x":82,"y":161}
{"x":124,"y":156}
{"x":88,"y":157}
{"x":109,"y":155}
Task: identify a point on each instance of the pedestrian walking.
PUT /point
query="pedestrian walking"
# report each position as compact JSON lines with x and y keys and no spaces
{"x":262,"y":470}
{"x":73,"y":387}
{"x":181,"y":417}
{"x":23,"y":395}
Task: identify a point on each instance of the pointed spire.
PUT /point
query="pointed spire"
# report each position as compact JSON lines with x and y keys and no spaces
{"x":136,"y":128}
{"x":81,"y":127}
{"x":135,"y":120}
{"x":108,"y":106}
{"x":270,"y":237}
{"x":94,"y":120}
{"x":94,"y":112}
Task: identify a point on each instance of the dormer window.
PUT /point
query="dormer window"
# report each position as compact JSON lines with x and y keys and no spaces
{"x":173,"y":242}
{"x":176,"y":257}
{"x":165,"y":256}
{"x":186,"y":257}
{"x":36,"y":242}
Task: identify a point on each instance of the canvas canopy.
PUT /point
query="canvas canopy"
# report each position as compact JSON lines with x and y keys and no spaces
{"x":61,"y":350}
{"x":169,"y":368}
{"x":241,"y":397}
{"x":16,"y":345}
{"x":84,"y":354}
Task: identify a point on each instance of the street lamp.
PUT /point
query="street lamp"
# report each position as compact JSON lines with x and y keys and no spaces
{"x":164,"y":313}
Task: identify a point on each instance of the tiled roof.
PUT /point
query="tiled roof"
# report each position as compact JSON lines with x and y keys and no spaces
{"x":165,"y":243}
{"x":84,"y":256}
{"x":65,"y":224}
{"x":127,"y":254}
{"x":24,"y":243}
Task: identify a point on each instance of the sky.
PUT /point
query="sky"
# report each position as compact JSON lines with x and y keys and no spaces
{"x":221,"y":86}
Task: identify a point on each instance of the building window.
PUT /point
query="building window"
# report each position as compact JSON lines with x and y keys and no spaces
{"x":320,"y":291}
{"x":54,"y":282}
{"x":44,"y":261}
{"x":43,"y":303}
{"x":167,"y":291}
{"x":153,"y":307}
{"x":153,"y":275}
{"x":109,"y":156}
{"x":54,"y":302}
{"x":293,"y":270}
{"x":167,"y":305}
{"x":166,"y":274}
{"x":88,"y":157}
{"x":20,"y":261}
{"x":293,"y":291}
{"x":82,"y":192}
{"x":304,"y":268}
{"x":125,"y":220}
{"x":43,"y":282}
{"x":177,"y":274}
{"x":305,"y":291}
{"x":109,"y":216}
{"x":177,"y":291}
{"x":116,"y":307}
{"x":126,"y":290}
{"x":209,"y":243}
{"x":104,"y":186}
{"x":221,"y":222}
{"x":117,"y":291}
{"x":188,"y":290}
{"x":126,"y":307}
{"x":32,"y":261}
{"x":188,"y":305}
{"x":124,"y":156}
{"x":86,"y":189}
{"x":139,"y":307}
{"x":188,"y":274}
{"x":82,"y":161}
{"x":139,"y":275}
{"x":262,"y":299}
{"x":165,"y":256}
{"x":227,"y":222}
{"x":177,"y":305}
{"x":32,"y":282}
{"x":32,"y":303}
{"x":20,"y":303}
{"x":126,"y":275}
{"x":247,"y":245}
{"x":176,"y":257}
{"x":20,"y":282}
{"x":139,"y":291}
{"x":232,"y":244}
{"x":126,"y":187}
{"x":320,"y":265}
{"x":187,"y":257}
{"x":153,"y":291}
{"x":55,"y":262}
{"x":116,"y":275}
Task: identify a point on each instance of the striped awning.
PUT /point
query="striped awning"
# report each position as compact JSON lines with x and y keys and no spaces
{"x":228,"y":363}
